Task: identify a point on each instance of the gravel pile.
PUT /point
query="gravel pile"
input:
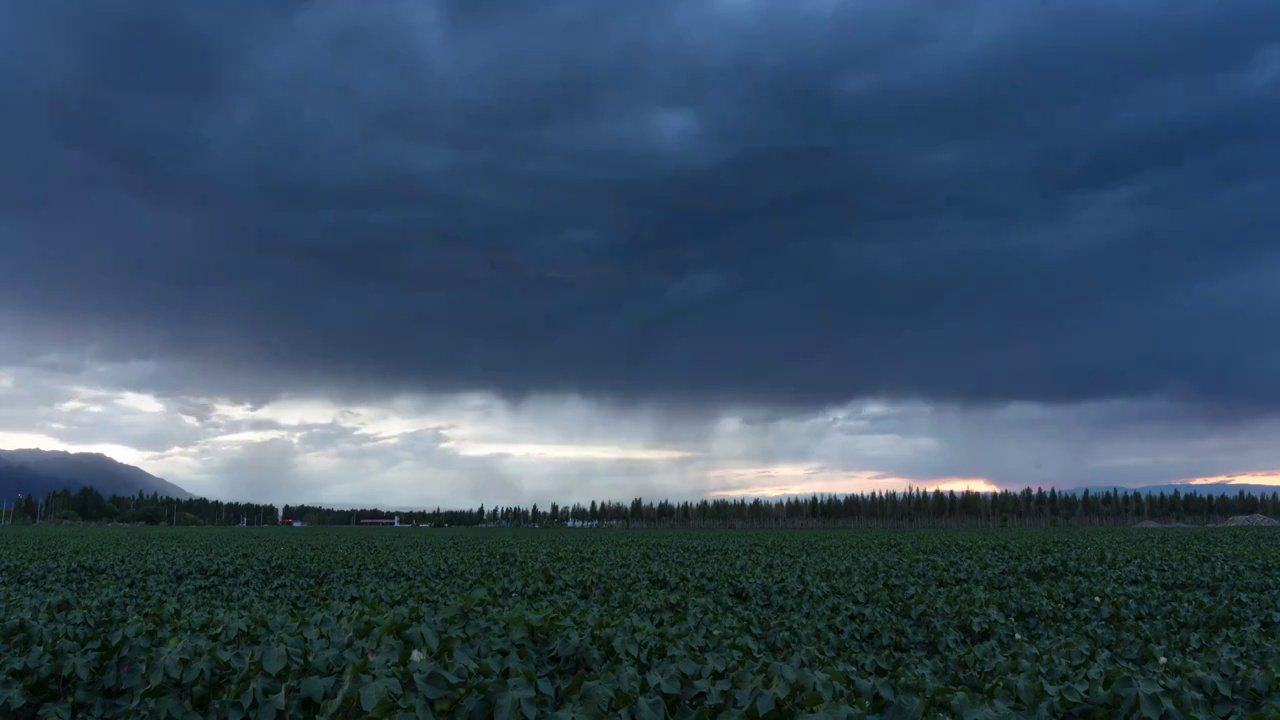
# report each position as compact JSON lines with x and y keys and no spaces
{"x":1254,"y":520}
{"x":1237,"y":521}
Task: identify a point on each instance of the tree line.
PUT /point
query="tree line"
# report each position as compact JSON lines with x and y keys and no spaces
{"x":89,"y":505}
{"x":913,"y":507}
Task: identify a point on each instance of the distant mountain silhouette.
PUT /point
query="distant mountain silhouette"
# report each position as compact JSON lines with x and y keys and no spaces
{"x":1182,"y":488}
{"x":39,"y":472}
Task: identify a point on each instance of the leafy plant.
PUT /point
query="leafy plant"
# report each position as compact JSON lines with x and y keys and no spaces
{"x":345,"y":623}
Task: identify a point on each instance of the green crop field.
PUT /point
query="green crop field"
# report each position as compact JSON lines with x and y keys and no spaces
{"x":348,"y":623}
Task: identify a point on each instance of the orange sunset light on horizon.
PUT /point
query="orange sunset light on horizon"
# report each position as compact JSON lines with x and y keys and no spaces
{"x":1260,"y":477}
{"x":785,"y":480}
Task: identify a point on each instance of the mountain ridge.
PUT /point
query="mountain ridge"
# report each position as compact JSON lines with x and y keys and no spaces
{"x":36,"y":472}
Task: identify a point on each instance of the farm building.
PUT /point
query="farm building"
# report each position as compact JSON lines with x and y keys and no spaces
{"x":393,"y":523}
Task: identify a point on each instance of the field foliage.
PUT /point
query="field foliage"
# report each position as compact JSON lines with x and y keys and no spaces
{"x":347,"y":623}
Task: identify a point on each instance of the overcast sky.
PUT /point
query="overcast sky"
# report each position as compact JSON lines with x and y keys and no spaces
{"x":427,"y":251}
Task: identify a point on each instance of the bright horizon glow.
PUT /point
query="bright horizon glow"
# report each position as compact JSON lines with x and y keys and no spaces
{"x":29,"y":441}
{"x":764,"y":482}
{"x":406,"y":446}
{"x":814,"y":479}
{"x":1260,"y":477}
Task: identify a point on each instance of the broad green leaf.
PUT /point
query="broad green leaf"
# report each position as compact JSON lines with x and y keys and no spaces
{"x":1150,"y":705}
{"x":650,"y":707}
{"x":311,"y":688}
{"x":273,"y":660}
{"x":506,"y":707}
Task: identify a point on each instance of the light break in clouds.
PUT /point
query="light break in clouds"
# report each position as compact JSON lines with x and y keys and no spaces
{"x":465,"y":450}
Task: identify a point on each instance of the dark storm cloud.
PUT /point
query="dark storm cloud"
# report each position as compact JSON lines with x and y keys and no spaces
{"x":745,"y":202}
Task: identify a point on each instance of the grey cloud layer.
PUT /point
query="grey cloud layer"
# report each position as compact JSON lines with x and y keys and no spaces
{"x":288,"y":457}
{"x":748,"y":202}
